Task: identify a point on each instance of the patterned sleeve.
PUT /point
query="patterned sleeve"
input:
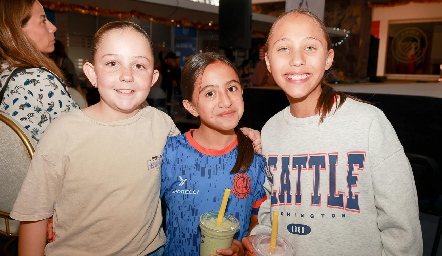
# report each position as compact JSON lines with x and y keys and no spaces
{"x":164,"y":167}
{"x":259,"y":193}
{"x":35,"y":97}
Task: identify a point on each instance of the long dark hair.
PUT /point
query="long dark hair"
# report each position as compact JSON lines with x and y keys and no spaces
{"x":190,"y":73}
{"x":329,"y":95}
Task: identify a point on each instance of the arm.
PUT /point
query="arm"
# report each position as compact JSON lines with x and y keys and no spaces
{"x":32,"y":237}
{"x":394,"y":192}
{"x":247,"y":241}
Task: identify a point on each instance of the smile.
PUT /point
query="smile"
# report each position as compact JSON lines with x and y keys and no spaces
{"x":125,"y":91}
{"x":297,"y":77}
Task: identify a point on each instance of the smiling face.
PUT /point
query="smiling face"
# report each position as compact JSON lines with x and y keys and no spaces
{"x":40,"y":30}
{"x":297,"y":57}
{"x":217,"y":98}
{"x":122,"y":71}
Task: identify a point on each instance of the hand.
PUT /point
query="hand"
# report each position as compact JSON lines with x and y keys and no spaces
{"x":255,"y":137}
{"x":50,"y":234}
{"x":247,"y":243}
{"x":236,"y":249}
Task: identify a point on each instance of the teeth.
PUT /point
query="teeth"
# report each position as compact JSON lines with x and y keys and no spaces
{"x":125,"y":91}
{"x":297,"y":77}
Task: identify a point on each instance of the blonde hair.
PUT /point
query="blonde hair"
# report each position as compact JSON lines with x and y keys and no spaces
{"x":16,"y":49}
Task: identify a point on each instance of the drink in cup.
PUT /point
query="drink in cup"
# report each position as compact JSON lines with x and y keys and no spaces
{"x":215,"y":237}
{"x":261,"y":244}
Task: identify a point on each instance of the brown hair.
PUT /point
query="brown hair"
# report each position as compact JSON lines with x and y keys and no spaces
{"x":116,"y":25}
{"x":192,"y":70}
{"x":15,"y":47}
{"x":328,"y":94}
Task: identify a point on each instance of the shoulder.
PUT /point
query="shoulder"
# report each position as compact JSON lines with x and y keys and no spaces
{"x":276,"y":119}
{"x":159,"y":120}
{"x":28,"y":75}
{"x":68,"y":118}
{"x":174,"y":141}
{"x":352,"y":107}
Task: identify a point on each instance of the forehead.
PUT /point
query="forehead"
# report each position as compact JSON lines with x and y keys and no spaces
{"x":296,"y":26}
{"x":124,"y":38}
{"x":218,"y":68}
{"x":37,"y":9}
{"x":217,"y":73}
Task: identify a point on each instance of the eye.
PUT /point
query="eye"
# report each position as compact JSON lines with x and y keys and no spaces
{"x":111,"y":63}
{"x":310,"y":48}
{"x":233,"y":88}
{"x":283,"y":49}
{"x":210,"y":94}
{"x":140,"y":66}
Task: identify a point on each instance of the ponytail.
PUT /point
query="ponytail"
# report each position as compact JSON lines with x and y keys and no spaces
{"x":245,"y":153}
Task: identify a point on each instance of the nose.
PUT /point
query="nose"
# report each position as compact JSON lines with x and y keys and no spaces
{"x":224,"y":100}
{"x":51,"y":27}
{"x":297,"y":59}
{"x":126,"y":74}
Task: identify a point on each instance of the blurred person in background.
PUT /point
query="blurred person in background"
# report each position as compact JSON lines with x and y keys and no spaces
{"x":31,"y":85}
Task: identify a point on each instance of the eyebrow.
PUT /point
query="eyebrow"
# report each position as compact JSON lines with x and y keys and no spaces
{"x":288,"y":39}
{"x":214,"y":85}
{"x":136,"y":57}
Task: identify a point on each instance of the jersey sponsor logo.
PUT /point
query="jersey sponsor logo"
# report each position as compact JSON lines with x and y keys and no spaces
{"x":241,"y":185}
{"x":299,"y":229}
{"x":182,"y":181}
{"x":186,"y":191}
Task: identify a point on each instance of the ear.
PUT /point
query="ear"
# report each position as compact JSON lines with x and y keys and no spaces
{"x":329,"y":59}
{"x":89,"y":71}
{"x":266,"y":57}
{"x":190,"y":108}
{"x":155,"y":76}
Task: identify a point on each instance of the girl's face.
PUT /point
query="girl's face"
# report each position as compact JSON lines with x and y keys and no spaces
{"x":122,"y":71}
{"x":297,"y":57}
{"x":217,"y":98}
{"x":40,"y":30}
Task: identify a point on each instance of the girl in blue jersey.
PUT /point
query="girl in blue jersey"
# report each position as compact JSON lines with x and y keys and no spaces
{"x":197,"y":166}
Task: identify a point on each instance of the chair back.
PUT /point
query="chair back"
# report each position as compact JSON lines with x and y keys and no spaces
{"x":16,"y":151}
{"x":427,"y":177}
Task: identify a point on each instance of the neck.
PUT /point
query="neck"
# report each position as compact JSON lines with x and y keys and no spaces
{"x":213,"y":139}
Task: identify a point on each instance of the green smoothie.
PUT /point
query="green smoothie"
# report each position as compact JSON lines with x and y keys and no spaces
{"x":214,"y":237}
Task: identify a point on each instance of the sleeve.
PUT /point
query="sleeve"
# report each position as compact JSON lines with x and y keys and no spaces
{"x":395,"y":192}
{"x":35,"y":98}
{"x":259,"y":194}
{"x":44,"y":180}
{"x":165,"y":164}
{"x":264,"y":214}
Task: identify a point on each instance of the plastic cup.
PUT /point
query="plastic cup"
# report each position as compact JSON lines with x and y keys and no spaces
{"x":214,"y":237}
{"x":261,"y":244}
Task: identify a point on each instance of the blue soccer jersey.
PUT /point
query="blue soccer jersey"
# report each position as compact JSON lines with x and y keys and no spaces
{"x":193,"y":180}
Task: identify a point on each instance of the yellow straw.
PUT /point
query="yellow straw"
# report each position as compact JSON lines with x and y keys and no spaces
{"x":222,"y":209}
{"x":274,"y":232}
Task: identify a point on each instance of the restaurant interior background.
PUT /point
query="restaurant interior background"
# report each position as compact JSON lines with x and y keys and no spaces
{"x":375,"y":42}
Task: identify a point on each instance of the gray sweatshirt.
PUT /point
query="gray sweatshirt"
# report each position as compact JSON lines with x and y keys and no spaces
{"x":342,"y":187}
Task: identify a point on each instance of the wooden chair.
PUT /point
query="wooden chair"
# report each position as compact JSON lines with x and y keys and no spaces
{"x":16,"y":151}
{"x":427,"y":177}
